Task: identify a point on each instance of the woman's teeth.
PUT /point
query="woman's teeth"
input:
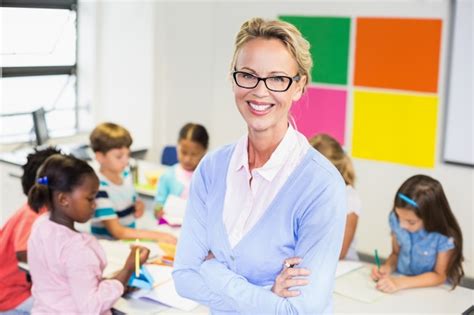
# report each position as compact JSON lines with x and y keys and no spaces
{"x":260,"y":108}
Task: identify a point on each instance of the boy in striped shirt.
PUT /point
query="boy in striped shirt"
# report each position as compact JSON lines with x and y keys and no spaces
{"x":117,"y":203}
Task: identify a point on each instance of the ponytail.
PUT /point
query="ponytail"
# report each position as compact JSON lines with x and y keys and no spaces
{"x":38,"y":197}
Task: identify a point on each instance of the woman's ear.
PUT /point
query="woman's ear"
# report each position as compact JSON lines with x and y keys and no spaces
{"x":300,"y":88}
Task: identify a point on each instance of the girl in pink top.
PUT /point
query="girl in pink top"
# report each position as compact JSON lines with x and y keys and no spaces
{"x":66,"y":266}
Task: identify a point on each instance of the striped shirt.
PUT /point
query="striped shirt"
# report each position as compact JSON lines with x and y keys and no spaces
{"x":114,"y":201}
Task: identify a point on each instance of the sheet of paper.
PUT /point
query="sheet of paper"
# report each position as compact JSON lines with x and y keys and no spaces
{"x":346,"y":266}
{"x":118,"y":251}
{"x":358,"y":285}
{"x":164,"y":290}
{"x":174,"y":209}
{"x":139,"y":306}
{"x":166,"y":294}
{"x":160,"y":274}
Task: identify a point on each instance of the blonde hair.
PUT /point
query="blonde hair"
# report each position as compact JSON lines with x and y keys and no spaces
{"x":332,"y":150}
{"x":287,"y":33}
{"x":108,"y":136}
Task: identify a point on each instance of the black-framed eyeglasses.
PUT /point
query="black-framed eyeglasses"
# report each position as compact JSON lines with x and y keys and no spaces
{"x":278,"y":83}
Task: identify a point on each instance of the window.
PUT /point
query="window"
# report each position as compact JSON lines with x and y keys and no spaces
{"x":38,"y":60}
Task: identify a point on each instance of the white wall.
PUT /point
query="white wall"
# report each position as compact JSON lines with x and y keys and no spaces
{"x":184,"y":51}
{"x":118,"y":79}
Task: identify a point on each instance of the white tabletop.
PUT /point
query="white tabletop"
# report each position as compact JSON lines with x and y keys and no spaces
{"x":433,"y":300}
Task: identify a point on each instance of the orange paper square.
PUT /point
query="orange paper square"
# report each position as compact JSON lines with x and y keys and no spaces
{"x":398,"y":53}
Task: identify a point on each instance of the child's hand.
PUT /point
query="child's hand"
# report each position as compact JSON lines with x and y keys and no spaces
{"x":130,"y":262}
{"x":159,"y":212}
{"x":124,"y":275}
{"x":139,"y":209}
{"x":286,"y":279}
{"x":378,"y":273}
{"x":166,"y":238}
{"x":388,"y":285}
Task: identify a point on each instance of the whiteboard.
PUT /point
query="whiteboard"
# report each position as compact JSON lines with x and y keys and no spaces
{"x":459,"y":132}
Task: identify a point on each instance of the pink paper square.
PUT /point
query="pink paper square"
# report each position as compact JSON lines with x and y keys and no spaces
{"x":321,"y":110}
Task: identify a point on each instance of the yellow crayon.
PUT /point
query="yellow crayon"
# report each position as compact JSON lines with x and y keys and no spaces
{"x":137,"y":262}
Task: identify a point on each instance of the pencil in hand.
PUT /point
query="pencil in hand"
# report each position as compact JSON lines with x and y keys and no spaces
{"x":137,"y":261}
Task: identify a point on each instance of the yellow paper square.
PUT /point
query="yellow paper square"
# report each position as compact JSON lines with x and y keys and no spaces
{"x":399,"y":128}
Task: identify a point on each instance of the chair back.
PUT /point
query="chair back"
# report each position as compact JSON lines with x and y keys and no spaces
{"x":169,"y":156}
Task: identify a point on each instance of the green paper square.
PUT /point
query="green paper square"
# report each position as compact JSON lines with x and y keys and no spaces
{"x":329,"y":39}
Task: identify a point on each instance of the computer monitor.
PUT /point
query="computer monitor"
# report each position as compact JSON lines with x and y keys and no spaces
{"x":40,"y":127}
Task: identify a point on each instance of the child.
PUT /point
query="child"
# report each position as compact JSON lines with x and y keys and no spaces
{"x":15,"y":290}
{"x":66,"y":266}
{"x":333,"y":151}
{"x":193,"y":142}
{"x":426,"y":239}
{"x":117,"y":204}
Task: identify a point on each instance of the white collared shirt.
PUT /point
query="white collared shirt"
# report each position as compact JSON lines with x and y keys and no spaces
{"x":245,"y":203}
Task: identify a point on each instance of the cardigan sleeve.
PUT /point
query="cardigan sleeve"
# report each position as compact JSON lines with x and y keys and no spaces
{"x":192,"y":248}
{"x":320,"y":234}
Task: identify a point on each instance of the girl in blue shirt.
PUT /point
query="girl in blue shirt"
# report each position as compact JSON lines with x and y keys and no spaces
{"x":193,"y":142}
{"x":426,"y":239}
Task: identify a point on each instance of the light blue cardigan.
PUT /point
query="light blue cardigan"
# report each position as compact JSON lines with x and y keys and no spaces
{"x":306,"y":219}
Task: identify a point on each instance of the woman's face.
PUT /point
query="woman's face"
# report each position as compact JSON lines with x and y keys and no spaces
{"x":261,"y":108}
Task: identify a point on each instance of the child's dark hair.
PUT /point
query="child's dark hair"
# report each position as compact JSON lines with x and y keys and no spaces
{"x":196,"y":133}
{"x":61,"y":173}
{"x":108,"y":136}
{"x":430,"y":204}
{"x":33,"y":162}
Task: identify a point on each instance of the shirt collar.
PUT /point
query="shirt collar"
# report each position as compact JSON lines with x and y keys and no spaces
{"x":278,"y":158}
{"x":420,"y":234}
{"x":242,"y":154}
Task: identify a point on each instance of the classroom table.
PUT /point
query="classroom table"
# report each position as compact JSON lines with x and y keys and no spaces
{"x":433,"y":300}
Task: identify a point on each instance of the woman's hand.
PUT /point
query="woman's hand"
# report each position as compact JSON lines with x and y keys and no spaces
{"x":209,"y":256}
{"x":289,"y":277}
{"x":388,"y":284}
{"x":378,"y":273}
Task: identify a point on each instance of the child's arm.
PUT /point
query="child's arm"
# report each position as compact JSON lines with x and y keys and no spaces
{"x":139,"y":208}
{"x":427,"y":279}
{"x":83,"y":270}
{"x":351,"y":225}
{"x":119,"y":231}
{"x":162,"y":192}
{"x":390,"y":264}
